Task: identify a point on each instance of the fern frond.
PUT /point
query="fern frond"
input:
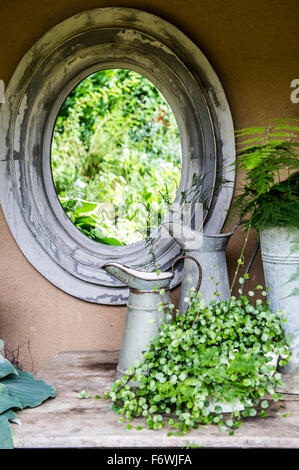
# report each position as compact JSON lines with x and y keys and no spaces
{"x":249,"y":131}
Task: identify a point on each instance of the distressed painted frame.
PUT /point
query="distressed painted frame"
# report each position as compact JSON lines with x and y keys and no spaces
{"x":92,"y":40}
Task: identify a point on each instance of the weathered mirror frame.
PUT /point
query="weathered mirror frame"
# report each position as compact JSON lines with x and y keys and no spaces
{"x":89,"y":41}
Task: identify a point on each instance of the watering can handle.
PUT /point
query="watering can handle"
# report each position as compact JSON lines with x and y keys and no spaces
{"x":198,"y":265}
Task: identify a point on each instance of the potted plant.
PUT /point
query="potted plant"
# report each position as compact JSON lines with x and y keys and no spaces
{"x":269,"y":198}
{"x":213,"y":358}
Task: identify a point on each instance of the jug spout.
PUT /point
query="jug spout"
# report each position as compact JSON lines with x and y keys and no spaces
{"x":139,"y":280}
{"x":186,"y":237}
{"x":196,"y":241}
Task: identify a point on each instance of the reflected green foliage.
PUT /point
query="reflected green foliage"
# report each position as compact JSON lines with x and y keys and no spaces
{"x":115,"y":144}
{"x":84,"y":215}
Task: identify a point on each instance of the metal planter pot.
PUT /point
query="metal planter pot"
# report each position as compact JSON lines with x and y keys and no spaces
{"x":280,"y":265}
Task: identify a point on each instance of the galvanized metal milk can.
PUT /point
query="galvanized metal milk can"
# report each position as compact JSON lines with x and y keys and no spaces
{"x":209,"y":251}
{"x":143,"y":318}
{"x":281,"y":264}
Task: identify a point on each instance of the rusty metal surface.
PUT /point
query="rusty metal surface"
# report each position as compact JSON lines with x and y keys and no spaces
{"x":67,"y":421}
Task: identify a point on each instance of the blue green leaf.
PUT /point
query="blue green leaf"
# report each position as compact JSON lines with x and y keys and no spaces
{"x":29,"y":391}
{"x":7,"y":400}
{"x":6,"y":437}
{"x":6,"y":368}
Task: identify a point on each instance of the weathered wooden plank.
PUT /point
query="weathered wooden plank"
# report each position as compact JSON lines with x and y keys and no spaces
{"x":67,"y":421}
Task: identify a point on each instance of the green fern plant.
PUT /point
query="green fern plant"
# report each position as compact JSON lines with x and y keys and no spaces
{"x":269,"y":156}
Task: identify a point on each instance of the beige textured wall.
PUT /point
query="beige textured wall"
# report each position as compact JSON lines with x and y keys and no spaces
{"x":253,"y":47}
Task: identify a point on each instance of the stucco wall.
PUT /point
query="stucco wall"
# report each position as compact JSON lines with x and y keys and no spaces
{"x":253,"y":47}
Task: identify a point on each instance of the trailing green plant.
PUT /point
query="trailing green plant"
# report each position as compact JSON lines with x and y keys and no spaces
{"x":18,"y":390}
{"x":270,"y":160}
{"x":213,"y":355}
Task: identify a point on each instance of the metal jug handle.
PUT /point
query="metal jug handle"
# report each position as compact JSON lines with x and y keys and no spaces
{"x":198,"y":265}
{"x":199,"y":269}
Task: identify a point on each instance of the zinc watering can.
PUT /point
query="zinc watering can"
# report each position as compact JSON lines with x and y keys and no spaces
{"x":143,"y":318}
{"x":209,"y":251}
